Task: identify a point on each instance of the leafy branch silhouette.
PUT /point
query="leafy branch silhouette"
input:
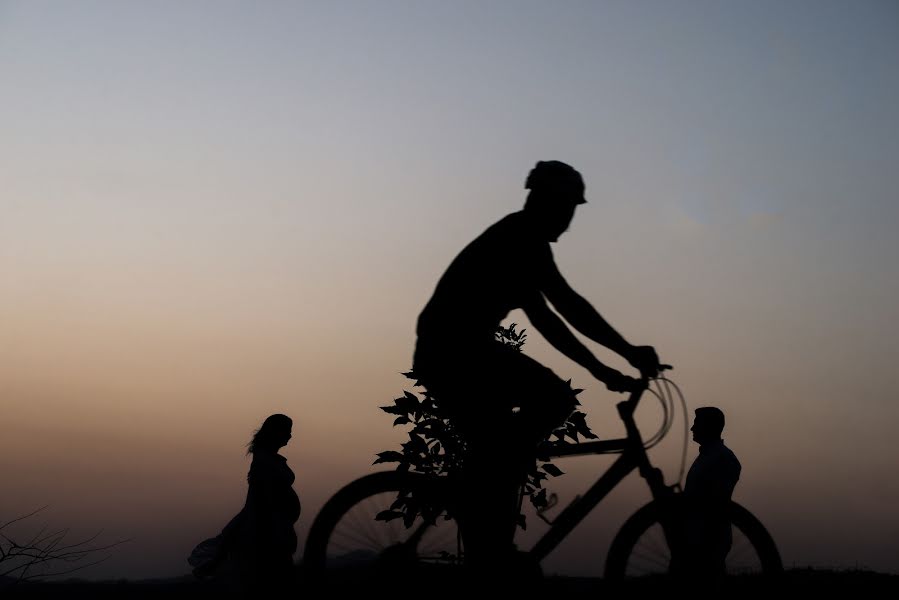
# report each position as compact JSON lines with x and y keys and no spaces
{"x":435,"y":447}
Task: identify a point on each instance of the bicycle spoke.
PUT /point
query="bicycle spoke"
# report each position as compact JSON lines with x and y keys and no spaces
{"x":378,"y":529}
{"x":358,"y":537}
{"x":354,"y":540}
{"x":362,"y":527}
{"x":650,"y":553}
{"x":356,"y":522}
{"x":438,"y":539}
{"x":660,"y":562}
{"x":656,"y":540}
{"x":359,"y":531}
{"x":743,"y":557}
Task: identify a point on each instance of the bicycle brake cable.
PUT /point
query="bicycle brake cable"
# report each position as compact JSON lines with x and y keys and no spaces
{"x":683,"y":464}
{"x":666,"y":398}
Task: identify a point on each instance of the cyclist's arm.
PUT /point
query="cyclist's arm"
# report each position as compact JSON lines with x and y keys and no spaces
{"x":583,"y":317}
{"x":580,"y":313}
{"x":556,"y":333}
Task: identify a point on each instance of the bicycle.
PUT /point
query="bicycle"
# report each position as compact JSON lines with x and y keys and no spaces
{"x":345,"y":533}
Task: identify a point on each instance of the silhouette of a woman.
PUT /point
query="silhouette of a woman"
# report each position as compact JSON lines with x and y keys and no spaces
{"x":272,"y":505}
{"x":256,"y":547}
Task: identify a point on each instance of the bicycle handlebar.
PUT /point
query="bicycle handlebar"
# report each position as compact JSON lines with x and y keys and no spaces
{"x":627,"y":407}
{"x":662,"y":367}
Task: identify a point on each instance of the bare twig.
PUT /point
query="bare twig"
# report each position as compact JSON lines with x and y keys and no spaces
{"x":36,"y":557}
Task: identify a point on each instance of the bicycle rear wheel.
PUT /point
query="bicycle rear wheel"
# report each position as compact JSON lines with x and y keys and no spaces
{"x":346,"y":539}
{"x":641,"y":549}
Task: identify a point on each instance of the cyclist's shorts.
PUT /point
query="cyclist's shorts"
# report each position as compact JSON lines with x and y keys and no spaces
{"x":496,"y":384}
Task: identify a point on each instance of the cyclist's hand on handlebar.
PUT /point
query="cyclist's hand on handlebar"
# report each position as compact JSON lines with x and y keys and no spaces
{"x":615,"y":381}
{"x":623,"y":384}
{"x":645,"y":360}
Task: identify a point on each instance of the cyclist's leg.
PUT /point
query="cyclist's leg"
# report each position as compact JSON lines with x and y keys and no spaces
{"x":545,"y":400}
{"x":468,"y":384}
{"x":480,"y":388}
{"x":504,"y":448}
{"x":489,"y":496}
{"x":485,"y":390}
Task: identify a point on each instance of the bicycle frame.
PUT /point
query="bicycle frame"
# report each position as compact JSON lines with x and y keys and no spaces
{"x":633,"y":456}
{"x":339,"y":512}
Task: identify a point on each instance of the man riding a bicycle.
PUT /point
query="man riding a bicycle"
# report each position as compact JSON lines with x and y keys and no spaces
{"x":503,"y":402}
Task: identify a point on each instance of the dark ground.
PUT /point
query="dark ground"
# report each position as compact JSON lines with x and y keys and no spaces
{"x":858,"y":583}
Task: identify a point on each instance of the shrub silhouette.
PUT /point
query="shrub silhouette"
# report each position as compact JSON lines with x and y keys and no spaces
{"x":436,"y":448}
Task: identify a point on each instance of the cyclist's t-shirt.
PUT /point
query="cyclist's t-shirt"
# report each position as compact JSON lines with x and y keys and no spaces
{"x":457,"y":356}
{"x":493,"y":275}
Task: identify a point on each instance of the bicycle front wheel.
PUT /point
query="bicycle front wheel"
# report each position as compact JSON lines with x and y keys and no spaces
{"x":641,"y":549}
{"x":347,"y":538}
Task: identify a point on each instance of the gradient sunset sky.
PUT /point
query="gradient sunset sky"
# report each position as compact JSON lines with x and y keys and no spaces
{"x":214,"y":211}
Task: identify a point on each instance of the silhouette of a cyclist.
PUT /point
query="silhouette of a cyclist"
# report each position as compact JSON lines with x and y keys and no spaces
{"x":502,"y":401}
